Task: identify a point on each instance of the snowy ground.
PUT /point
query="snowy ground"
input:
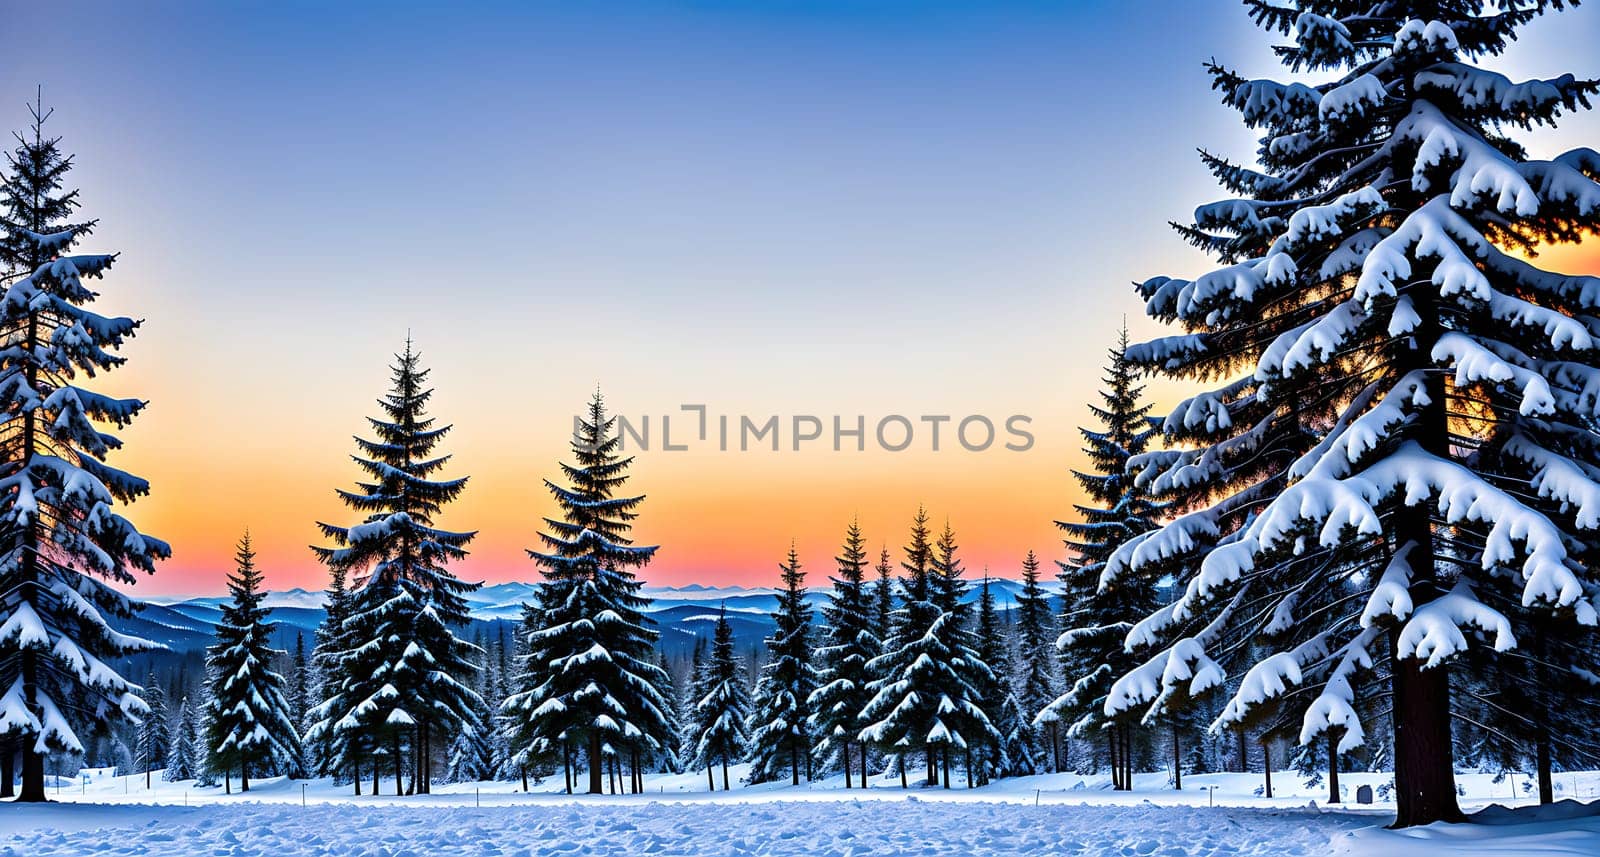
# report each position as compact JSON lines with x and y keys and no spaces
{"x":1059,"y":814}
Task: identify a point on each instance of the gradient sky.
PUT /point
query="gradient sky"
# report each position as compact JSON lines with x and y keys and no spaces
{"x":775,"y":207}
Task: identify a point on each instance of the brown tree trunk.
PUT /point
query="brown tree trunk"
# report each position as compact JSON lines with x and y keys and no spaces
{"x":1424,"y":782}
{"x":1425,"y":788}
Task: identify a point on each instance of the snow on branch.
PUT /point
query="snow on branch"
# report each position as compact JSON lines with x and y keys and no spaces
{"x":1433,"y":634}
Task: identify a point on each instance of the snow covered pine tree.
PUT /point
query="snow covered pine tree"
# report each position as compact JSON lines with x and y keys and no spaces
{"x":155,"y":733}
{"x":848,"y":644}
{"x":327,"y":747}
{"x":404,"y":672}
{"x":780,"y":730}
{"x":1374,"y":293}
{"x":721,"y":707}
{"x":1034,"y":683}
{"x":590,"y":679}
{"x":1095,"y":618}
{"x":62,"y":540}
{"x":181,"y":761}
{"x":248,"y":721}
{"x":925,"y":697}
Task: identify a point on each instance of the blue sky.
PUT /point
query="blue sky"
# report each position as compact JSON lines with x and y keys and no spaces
{"x":771,"y":207}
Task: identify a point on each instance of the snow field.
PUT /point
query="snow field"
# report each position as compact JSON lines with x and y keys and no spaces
{"x":832,"y":829}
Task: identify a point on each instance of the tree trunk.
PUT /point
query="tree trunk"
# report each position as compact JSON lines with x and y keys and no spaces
{"x":244,"y":776}
{"x":1177,"y":763}
{"x":794,"y":762}
{"x":1541,"y":720}
{"x":1424,"y":782}
{"x":1333,"y":765}
{"x":945,"y":754}
{"x":846,"y":750}
{"x":596,"y":771}
{"x":395,"y":746}
{"x":1266,"y":764}
{"x":32,"y":762}
{"x":711,"y":779}
{"x":1116,"y":763}
{"x":1055,"y":746}
{"x":426,"y":786}
{"x":933,"y":767}
{"x":1425,"y":789}
{"x":416,"y":758}
{"x":903,"y":783}
{"x":1244,"y":751}
{"x":863,"y":753}
{"x":8,"y":770}
{"x":969,"y":768}
{"x":1125,"y":756}
{"x":355,"y":767}
{"x":1547,"y":786}
{"x":227,"y":782}
{"x":725,"y":773}
{"x":377,"y":768}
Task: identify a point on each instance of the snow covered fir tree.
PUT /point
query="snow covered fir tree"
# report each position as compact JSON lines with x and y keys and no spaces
{"x":1096,"y":615}
{"x":848,"y":643}
{"x":1034,"y":681}
{"x":926,"y":700}
{"x":721,"y":706}
{"x":63,"y":544}
{"x":155,"y":733}
{"x":248,"y":724}
{"x":401,"y":676}
{"x":1397,"y":468}
{"x":590,"y":684}
{"x":780,"y":717}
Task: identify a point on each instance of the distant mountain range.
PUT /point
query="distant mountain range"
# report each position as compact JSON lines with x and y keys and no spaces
{"x":681,"y":613}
